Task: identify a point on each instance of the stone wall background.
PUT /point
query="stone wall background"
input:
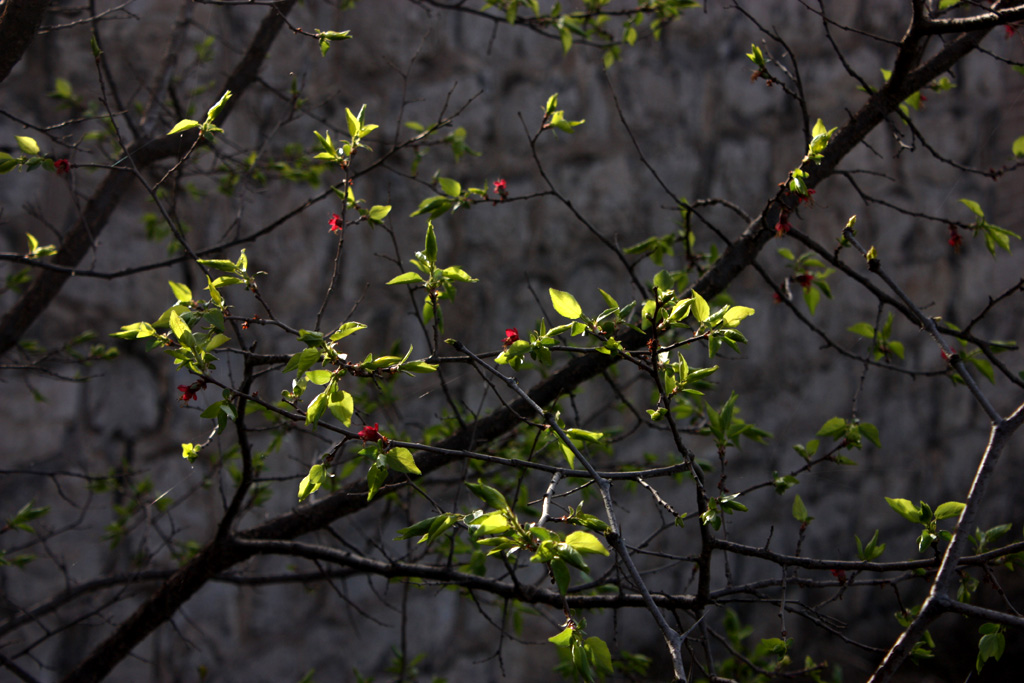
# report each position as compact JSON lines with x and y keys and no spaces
{"x":700,"y":122}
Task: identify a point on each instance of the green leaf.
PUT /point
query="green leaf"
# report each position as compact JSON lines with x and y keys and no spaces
{"x":403,"y":278}
{"x":418,"y":366}
{"x":949,"y":509}
{"x":341,"y":406}
{"x":457,"y":274}
{"x":62,"y":88}
{"x":180,"y":291}
{"x":179,"y":328}
{"x":222,"y":264}
{"x":319,"y":377}
{"x":435,"y":206}
{"x":562,"y":639}
{"x":585,"y":435}
{"x":430,"y":244}
{"x":312,"y":481}
{"x":450,"y":187}
{"x":378,"y":213}
{"x":183,"y":125}
{"x":834,"y":427}
{"x":700,"y":309}
{"x":216,"y":341}
{"x":974,"y":206}
{"x":311,"y":337}
{"x":870,"y":431}
{"x":565,"y":304}
{"x":800,"y":511}
{"x":735,"y":314}
{"x":561,"y":573}
{"x":872,"y":550}
{"x":990,"y":646}
{"x":491,"y":523}
{"x":600,"y":655}
{"x":215,"y":110}
{"x":316,"y":408}
{"x":135,"y":331}
{"x":862,"y":329}
{"x":346,"y":329}
{"x":28,"y":145}
{"x":1018,"y":147}
{"x":300,"y":362}
{"x":376,"y":476}
{"x":353,"y":122}
{"x":586,"y":542}
{"x":609,"y":301}
{"x":491,"y":496}
{"x":401,"y":460}
{"x":905,"y":508}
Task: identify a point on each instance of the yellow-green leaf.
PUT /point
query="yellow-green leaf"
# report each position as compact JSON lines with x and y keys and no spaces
{"x":341,"y":406}
{"x":735,"y":314}
{"x":700,"y":307}
{"x":312,"y":481}
{"x":563,"y":638}
{"x":586,"y":542}
{"x":27,"y":144}
{"x":182,"y":292}
{"x":182,"y":126}
{"x":1018,"y":147}
{"x":565,"y":304}
{"x":401,"y":460}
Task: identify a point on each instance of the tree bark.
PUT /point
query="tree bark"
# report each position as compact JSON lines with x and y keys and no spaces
{"x":19,"y":21}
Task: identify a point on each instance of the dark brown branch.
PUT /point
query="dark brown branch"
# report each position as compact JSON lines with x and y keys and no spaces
{"x":18,"y":24}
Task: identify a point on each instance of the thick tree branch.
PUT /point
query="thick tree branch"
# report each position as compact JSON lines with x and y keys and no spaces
{"x":18,"y":24}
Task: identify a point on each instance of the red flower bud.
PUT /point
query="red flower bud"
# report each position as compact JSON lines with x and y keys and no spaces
{"x":501,"y":187}
{"x":783,"y":226}
{"x":511,"y":336}
{"x":369,"y":433}
{"x":955,"y":240}
{"x":804,"y":280}
{"x":188,"y":391}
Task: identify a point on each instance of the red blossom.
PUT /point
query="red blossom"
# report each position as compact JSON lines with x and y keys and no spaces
{"x":188,"y":391}
{"x":62,"y":166}
{"x":501,"y":187}
{"x":804,"y":280}
{"x":369,"y":433}
{"x":1010,"y":29}
{"x":511,"y":336}
{"x":955,"y":240}
{"x":839,"y":574}
{"x":776,"y":297}
{"x":783,"y":226}
{"x":805,"y":198}
{"x":335,"y":223}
